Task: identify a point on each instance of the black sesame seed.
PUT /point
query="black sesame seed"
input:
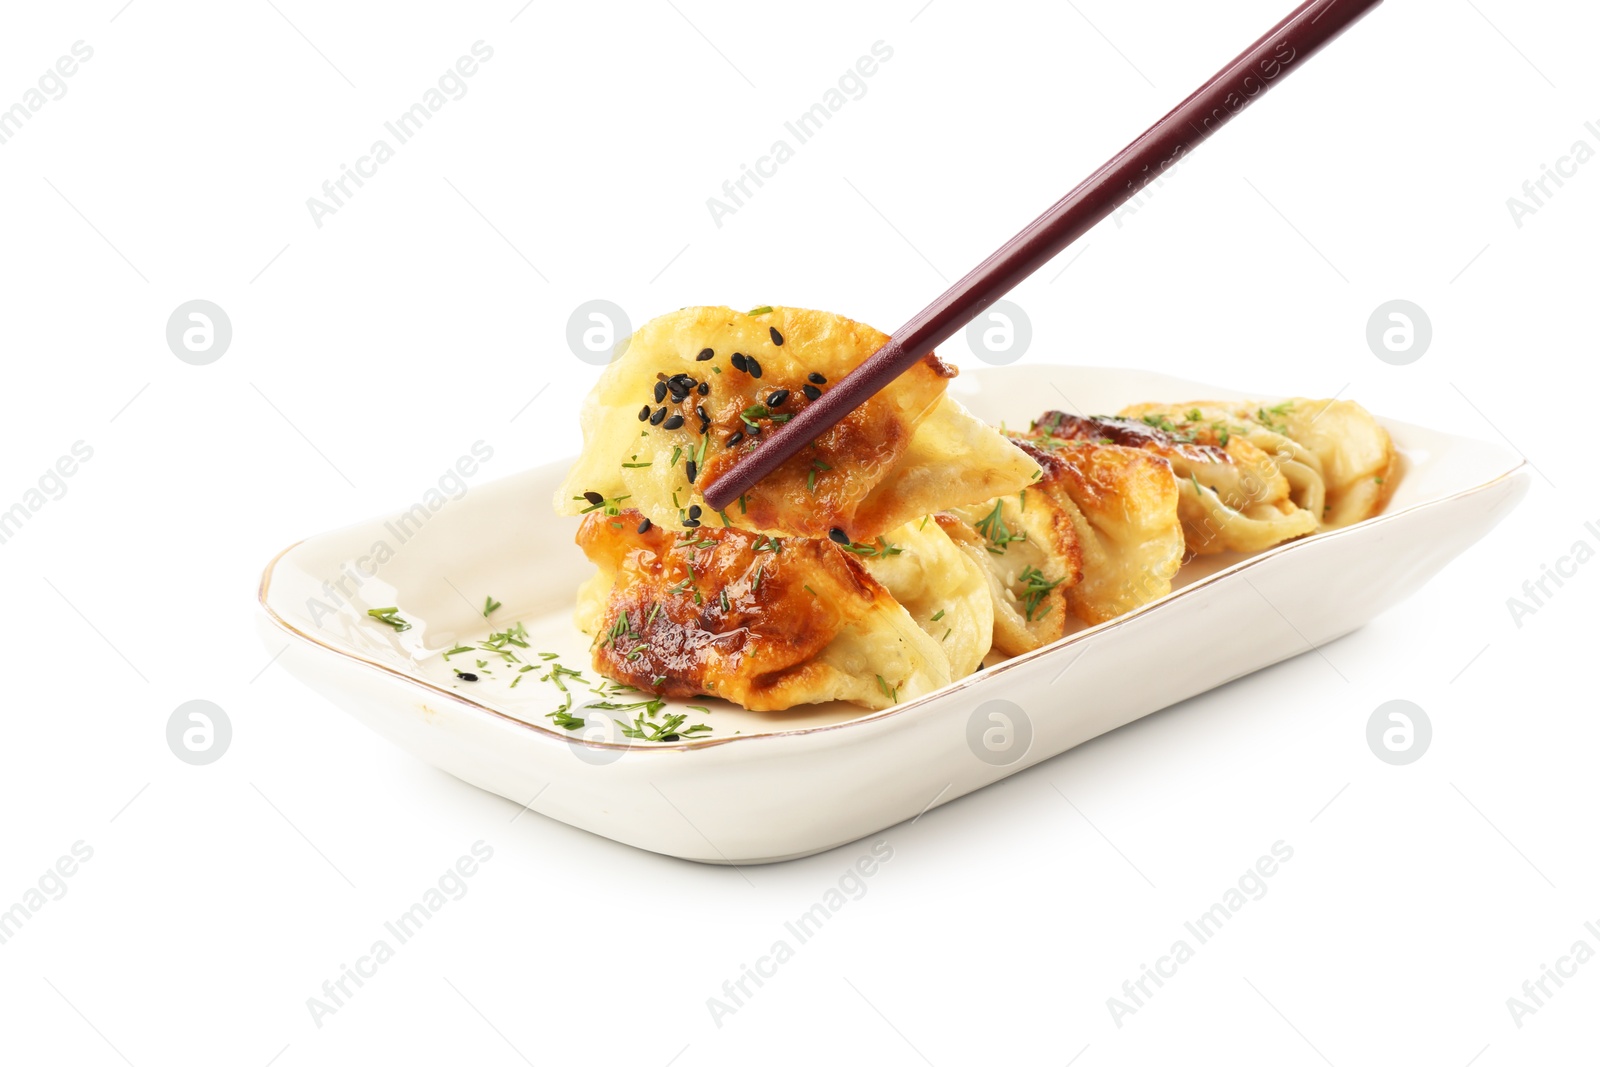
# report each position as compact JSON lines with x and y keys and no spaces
{"x":694,"y":511}
{"x":735,"y":438}
{"x":705,"y":354}
{"x":679,"y":393}
{"x":777,"y":398}
{"x":655,"y":420}
{"x":661,"y":391}
{"x":777,"y":338}
{"x":644,"y":526}
{"x":816,"y":379}
{"x":673,"y":423}
{"x":705,"y":389}
{"x":752,"y":428}
{"x":838,"y":536}
{"x":752,"y":366}
{"x":691,"y":523}
{"x":691,"y":469}
{"x":738,"y":361}
{"x":594,"y":498}
{"x":466,"y":676}
{"x":700,"y":409}
{"x":812,"y":392}
{"x":644,"y":413}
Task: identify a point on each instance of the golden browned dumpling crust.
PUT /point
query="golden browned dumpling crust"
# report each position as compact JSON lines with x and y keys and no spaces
{"x":767,"y":623}
{"x":696,"y":390}
{"x":1232,"y":495}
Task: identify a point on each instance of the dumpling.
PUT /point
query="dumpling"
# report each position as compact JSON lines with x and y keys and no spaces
{"x":766,"y":623}
{"x":1232,"y":494}
{"x":1341,"y":465}
{"x":942,"y":587}
{"x":694,"y":390}
{"x":1096,"y":536}
{"x":1026,"y":595}
{"x":1359,"y":462}
{"x":1129,"y":529}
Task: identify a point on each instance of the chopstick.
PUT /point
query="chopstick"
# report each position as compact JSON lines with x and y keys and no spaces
{"x":1283,"y":49}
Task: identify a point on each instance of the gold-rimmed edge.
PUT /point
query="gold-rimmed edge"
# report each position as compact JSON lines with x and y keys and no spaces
{"x":976,"y":678}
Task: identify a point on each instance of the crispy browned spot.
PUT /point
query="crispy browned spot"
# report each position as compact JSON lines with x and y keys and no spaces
{"x":822,"y":485}
{"x":680,"y":640}
{"x":1130,"y":433}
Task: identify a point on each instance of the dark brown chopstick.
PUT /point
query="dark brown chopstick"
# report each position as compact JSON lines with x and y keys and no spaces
{"x":1283,"y":49}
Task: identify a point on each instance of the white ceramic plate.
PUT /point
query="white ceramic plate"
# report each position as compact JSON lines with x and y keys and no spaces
{"x":774,"y":786}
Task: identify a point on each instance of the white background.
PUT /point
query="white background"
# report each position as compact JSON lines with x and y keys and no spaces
{"x":425,"y":314}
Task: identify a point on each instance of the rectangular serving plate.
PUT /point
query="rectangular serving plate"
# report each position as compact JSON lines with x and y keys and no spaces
{"x":752,"y":792}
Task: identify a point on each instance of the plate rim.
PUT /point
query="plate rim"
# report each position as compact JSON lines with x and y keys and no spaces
{"x":916,"y":703}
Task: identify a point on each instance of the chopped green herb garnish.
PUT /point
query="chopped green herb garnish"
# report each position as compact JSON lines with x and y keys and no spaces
{"x":1035,"y":587}
{"x":1263,"y":416}
{"x":993,"y":526}
{"x":1161,"y":422}
{"x":611,"y":504}
{"x":490,"y":606}
{"x":670,"y":728}
{"x":390,"y":617}
{"x":882,"y":550}
{"x":763,"y":310}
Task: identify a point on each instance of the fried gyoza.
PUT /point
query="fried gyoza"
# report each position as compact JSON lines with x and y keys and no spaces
{"x":694,"y":390}
{"x":767,"y":623}
{"x":1096,"y":536}
{"x":1340,"y":463}
{"x":944,"y":589}
{"x":1232,"y":495}
{"x":1359,"y":462}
